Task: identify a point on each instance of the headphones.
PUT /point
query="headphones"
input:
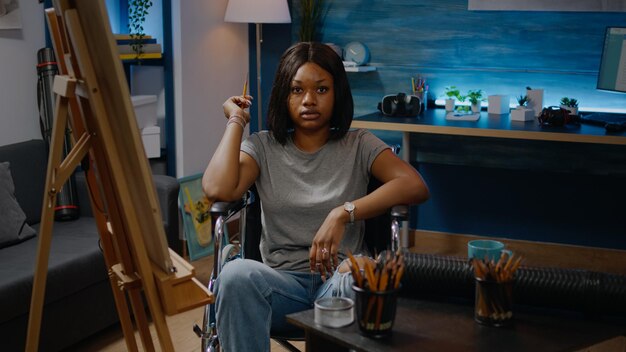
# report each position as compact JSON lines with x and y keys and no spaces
{"x":400,"y":105}
{"x":556,"y":116}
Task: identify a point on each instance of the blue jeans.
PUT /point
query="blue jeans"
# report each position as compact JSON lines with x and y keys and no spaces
{"x":253,"y":299}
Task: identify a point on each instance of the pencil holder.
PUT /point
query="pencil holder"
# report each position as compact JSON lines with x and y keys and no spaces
{"x":423,"y":95}
{"x":375,"y":311}
{"x":494,"y":302}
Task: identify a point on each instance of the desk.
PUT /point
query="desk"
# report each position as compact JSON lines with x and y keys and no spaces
{"x":489,"y":125}
{"x":494,"y":143}
{"x":436,"y":326}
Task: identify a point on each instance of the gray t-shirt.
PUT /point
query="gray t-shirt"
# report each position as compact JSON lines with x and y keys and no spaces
{"x":299,"y":189}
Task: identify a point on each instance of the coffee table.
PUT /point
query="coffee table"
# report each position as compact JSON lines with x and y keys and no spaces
{"x":424,"y":325}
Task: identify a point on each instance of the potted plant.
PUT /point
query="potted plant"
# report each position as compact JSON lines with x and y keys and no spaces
{"x":570,"y":104}
{"x":137,"y":12}
{"x":475,"y":98}
{"x":452,"y":93}
{"x":312,"y":13}
{"x":465,"y":109}
{"x":522,"y":112}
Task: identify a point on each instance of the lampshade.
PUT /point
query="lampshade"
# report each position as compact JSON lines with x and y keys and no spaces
{"x":258,"y":11}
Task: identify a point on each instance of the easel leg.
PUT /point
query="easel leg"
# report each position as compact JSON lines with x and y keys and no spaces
{"x":45,"y":229}
{"x":122,"y":306}
{"x":121,"y":303}
{"x":140,"y":316}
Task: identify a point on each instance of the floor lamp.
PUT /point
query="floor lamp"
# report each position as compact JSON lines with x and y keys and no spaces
{"x":258,"y":12}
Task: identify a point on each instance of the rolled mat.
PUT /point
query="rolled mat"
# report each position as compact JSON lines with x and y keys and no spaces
{"x":593,"y":293}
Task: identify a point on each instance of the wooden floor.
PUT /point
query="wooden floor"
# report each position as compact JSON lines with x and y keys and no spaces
{"x":180,"y":326}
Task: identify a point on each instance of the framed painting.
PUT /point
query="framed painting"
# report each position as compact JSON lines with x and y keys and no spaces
{"x":10,"y":17}
{"x":194,"y":207}
{"x":548,"y":5}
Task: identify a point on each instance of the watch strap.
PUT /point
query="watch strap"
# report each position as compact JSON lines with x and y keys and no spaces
{"x":349,"y":207}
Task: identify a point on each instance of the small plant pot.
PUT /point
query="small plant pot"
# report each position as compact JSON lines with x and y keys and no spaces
{"x":450,"y":104}
{"x":522,"y":114}
{"x":498,"y":104}
{"x":572,"y":110}
{"x":476,"y":107}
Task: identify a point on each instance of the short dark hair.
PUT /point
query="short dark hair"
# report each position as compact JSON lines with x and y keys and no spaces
{"x":279,"y":120}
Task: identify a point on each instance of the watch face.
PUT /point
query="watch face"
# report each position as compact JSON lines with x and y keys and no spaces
{"x":348,"y":206}
{"x":356,"y":52}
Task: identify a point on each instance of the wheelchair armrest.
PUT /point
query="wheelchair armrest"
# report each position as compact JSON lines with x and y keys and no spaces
{"x":228,"y":209}
{"x":400,"y":212}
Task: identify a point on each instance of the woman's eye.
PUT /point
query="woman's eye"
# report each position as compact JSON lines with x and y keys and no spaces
{"x":322,"y":89}
{"x":296,"y":90}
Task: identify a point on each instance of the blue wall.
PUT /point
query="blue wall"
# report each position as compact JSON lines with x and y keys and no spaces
{"x":500,"y":52}
{"x":557,"y":198}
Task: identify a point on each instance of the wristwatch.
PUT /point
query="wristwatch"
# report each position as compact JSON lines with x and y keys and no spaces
{"x":349,"y":207}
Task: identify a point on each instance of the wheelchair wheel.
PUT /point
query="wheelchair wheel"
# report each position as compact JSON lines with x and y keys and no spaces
{"x":229,"y":252}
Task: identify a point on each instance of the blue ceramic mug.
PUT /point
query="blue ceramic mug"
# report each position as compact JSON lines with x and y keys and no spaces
{"x":490,"y":249}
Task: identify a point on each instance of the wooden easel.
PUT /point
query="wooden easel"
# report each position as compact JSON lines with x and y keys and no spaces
{"x":92,"y":92}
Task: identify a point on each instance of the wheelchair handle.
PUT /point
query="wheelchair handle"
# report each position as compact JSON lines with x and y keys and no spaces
{"x":400,"y":212}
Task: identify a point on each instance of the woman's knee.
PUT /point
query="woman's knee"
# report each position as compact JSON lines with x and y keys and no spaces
{"x":238,"y":276}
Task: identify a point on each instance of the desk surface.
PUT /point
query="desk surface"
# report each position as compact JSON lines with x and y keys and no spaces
{"x":435,"y":326}
{"x":489,"y":125}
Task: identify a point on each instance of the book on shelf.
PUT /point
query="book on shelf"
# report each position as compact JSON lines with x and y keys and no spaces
{"x":131,"y":41}
{"x":133,"y":56}
{"x":145,"y":48}
{"x":128,"y":36}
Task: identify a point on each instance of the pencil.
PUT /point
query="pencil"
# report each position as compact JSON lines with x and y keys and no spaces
{"x":245,"y":86}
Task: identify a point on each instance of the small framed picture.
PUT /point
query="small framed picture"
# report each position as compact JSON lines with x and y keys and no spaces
{"x":10,"y":17}
{"x":195,"y":210}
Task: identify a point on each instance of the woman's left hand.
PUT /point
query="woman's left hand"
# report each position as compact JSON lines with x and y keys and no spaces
{"x":323,"y":254}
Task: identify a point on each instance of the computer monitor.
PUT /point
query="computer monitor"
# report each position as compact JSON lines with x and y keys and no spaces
{"x":612,"y":72}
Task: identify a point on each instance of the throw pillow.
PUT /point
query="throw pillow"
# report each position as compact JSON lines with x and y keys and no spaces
{"x":13,"y":226}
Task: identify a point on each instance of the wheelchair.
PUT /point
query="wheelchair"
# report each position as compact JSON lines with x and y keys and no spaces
{"x":249,"y":210}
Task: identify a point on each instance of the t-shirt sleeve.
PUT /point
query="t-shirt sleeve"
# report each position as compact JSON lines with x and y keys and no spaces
{"x":372,"y":146}
{"x":253,"y":147}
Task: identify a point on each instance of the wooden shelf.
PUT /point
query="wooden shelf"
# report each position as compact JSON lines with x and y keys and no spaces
{"x":360,"y":68}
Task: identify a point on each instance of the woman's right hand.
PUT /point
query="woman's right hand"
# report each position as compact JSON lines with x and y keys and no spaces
{"x":238,"y":105}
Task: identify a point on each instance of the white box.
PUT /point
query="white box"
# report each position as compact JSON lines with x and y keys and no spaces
{"x":535,"y":100}
{"x":151,"y":137}
{"x":498,"y":104}
{"x":522,"y":114}
{"x":145,"y":110}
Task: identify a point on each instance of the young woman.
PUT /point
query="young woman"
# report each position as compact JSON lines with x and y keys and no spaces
{"x":311,"y":172}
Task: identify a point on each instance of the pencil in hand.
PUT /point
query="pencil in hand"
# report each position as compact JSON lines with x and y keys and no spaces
{"x":245,"y":86}
{"x":245,"y":105}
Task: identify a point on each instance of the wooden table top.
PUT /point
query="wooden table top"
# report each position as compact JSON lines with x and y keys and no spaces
{"x":422,"y":325}
{"x":433,"y":121}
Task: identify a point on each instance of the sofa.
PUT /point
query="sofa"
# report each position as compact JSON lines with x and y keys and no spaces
{"x":78,"y":299}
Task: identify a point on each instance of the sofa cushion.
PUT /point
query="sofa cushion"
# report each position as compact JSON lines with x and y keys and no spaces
{"x":76,"y":262}
{"x":29,"y":162}
{"x":13,"y":226}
